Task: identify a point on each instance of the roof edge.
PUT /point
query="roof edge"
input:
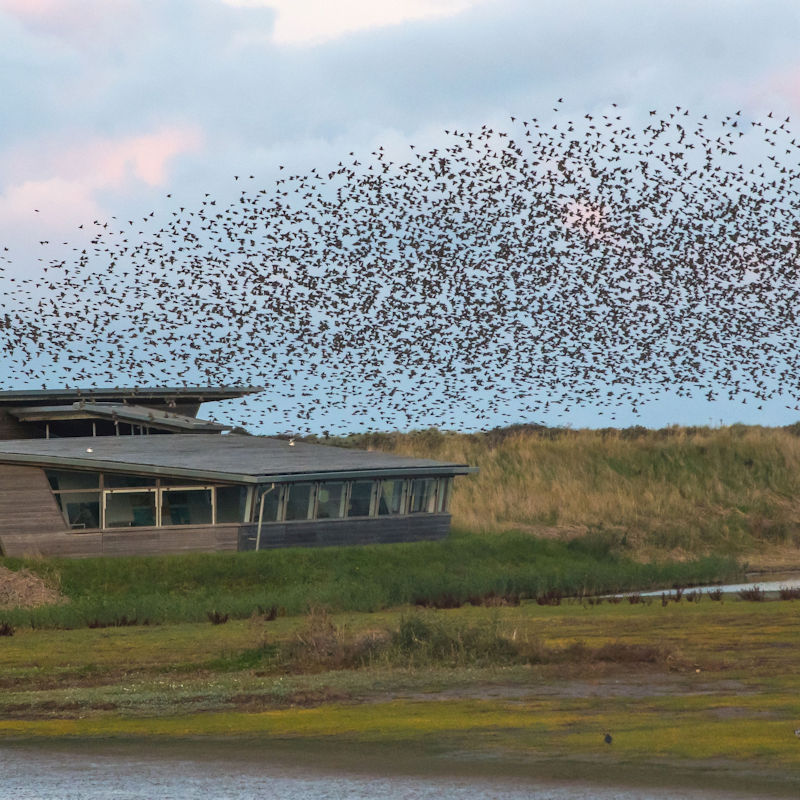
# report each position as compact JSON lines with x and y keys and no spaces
{"x":231,"y":477}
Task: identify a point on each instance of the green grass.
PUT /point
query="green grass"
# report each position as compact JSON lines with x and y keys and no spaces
{"x":186,"y":587}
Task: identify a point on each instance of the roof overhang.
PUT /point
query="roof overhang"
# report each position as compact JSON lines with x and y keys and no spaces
{"x":227,"y":458}
{"x":180,"y":394}
{"x":116,"y":412}
{"x":101,"y":465}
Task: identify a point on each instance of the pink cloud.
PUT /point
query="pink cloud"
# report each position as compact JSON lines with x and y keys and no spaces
{"x":82,"y":21}
{"x":782,"y":87}
{"x":62,"y":179}
{"x":143,"y":157}
{"x":103,"y":162}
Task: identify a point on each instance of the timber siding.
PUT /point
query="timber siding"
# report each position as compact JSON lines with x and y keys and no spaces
{"x":332,"y":532}
{"x":11,"y":428}
{"x":27,"y":506}
{"x":228,"y":537}
{"x":127,"y":542}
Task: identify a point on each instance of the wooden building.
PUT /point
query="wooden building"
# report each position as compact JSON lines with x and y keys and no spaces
{"x":135,"y":472}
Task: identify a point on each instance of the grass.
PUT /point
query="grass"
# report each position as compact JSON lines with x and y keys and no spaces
{"x":733,"y":490}
{"x":697,"y":683}
{"x":190,"y":587}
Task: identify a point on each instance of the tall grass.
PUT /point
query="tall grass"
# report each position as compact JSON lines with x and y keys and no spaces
{"x":699,"y":490}
{"x":186,"y":587}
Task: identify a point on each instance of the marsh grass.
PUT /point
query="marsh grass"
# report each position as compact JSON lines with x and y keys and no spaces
{"x":429,"y":639}
{"x":696,"y":490}
{"x":449,"y":573}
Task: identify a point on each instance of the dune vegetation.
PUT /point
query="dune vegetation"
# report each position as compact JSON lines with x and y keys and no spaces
{"x":678,"y":491}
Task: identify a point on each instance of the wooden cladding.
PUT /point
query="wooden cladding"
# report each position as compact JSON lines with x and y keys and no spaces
{"x":26,"y":503}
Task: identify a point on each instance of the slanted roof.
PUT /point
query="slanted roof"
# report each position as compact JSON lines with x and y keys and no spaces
{"x":234,"y":458}
{"x":117,"y":394}
{"x":119,"y":412}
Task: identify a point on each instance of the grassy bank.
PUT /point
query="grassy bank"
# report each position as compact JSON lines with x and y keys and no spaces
{"x":465,"y":568}
{"x":694,"y":490}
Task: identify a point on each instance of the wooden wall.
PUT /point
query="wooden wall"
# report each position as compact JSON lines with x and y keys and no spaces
{"x":127,"y":542}
{"x":27,"y":505}
{"x":12,"y":428}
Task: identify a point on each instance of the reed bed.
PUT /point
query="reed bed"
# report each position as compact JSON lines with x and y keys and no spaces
{"x":465,"y":567}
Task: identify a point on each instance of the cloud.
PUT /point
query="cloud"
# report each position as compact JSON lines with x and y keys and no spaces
{"x":301,"y":22}
{"x":79,"y":22}
{"x":60,"y":180}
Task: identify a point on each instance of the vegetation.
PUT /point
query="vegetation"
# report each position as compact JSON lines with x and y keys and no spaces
{"x":194,"y":587}
{"x":733,"y":490}
{"x":704,"y":683}
{"x":496,"y":641}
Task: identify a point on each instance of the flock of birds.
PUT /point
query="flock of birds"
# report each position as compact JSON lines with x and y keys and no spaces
{"x":508,"y":273}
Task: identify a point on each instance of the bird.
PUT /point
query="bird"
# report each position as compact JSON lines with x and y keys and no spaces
{"x":507,"y":273}
{"x":608,"y":738}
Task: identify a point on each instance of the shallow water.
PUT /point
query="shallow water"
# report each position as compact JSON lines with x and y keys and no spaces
{"x":195,"y":771}
{"x":789,"y":580}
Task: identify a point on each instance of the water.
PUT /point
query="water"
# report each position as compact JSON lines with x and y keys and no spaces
{"x":203,"y":771}
{"x":788,"y":581}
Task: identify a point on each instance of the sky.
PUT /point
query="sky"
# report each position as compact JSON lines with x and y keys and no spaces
{"x":110,"y":106}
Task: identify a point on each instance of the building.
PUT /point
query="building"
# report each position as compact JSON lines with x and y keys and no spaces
{"x":135,"y":472}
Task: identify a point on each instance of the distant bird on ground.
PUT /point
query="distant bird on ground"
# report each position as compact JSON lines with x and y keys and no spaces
{"x":608,"y":738}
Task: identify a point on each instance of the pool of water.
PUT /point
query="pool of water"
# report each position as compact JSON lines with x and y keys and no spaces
{"x":773,"y":585}
{"x":203,"y":771}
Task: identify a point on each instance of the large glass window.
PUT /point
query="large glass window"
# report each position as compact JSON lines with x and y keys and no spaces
{"x":130,"y":509}
{"x":360,"y":503}
{"x":272,"y":496}
{"x":63,"y":480}
{"x":81,"y":510}
{"x":423,"y":495}
{"x":299,"y":502}
{"x":90,"y":500}
{"x":392,"y":498}
{"x":443,"y":495}
{"x":330,"y":500}
{"x":231,"y":503}
{"x":186,"y":507}
{"x":115,"y":481}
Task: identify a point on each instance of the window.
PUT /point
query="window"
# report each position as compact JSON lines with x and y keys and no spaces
{"x":423,"y":495}
{"x":443,"y":495}
{"x":78,"y":497}
{"x":271,"y":497}
{"x":64,"y":481}
{"x":299,"y":501}
{"x":81,"y":510}
{"x":392,"y":498}
{"x":113,"y":480}
{"x":93,"y":500}
{"x":361,"y":493}
{"x":186,"y":507}
{"x":231,"y":503}
{"x":130,"y":508}
{"x":330,"y":500}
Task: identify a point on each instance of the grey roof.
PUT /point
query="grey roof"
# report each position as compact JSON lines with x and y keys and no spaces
{"x":242,"y":459}
{"x":160,"y":419}
{"x":184,"y":394}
